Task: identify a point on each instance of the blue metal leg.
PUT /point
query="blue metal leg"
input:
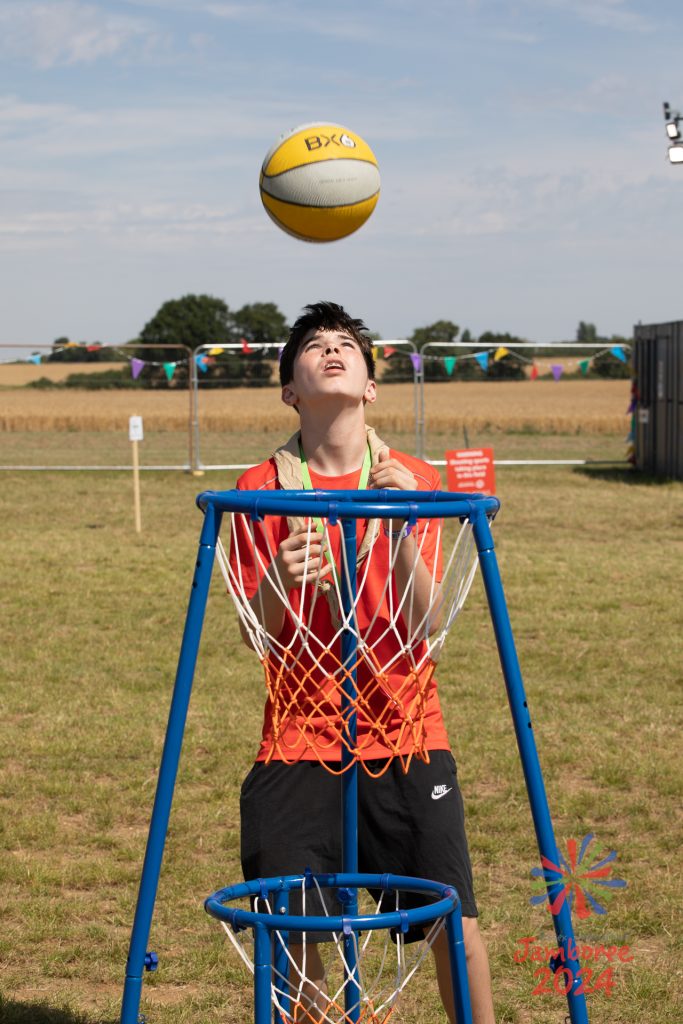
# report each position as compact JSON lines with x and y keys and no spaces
{"x":456,"y":950}
{"x":263,"y":968}
{"x":169,"y":768}
{"x":521,"y":718}
{"x":350,"y":776}
{"x":280,"y":961}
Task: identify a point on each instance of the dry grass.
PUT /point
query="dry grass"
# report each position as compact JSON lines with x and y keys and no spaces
{"x":14,"y":375}
{"x":567,"y":407}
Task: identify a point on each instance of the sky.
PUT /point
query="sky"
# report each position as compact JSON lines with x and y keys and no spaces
{"x":521,"y":146}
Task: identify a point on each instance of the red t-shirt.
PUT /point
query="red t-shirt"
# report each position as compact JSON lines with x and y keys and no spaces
{"x":400,"y":711}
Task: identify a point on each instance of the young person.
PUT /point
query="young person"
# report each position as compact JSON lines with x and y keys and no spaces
{"x":289,"y":801}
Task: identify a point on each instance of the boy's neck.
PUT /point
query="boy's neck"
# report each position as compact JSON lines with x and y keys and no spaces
{"x":337,"y":446}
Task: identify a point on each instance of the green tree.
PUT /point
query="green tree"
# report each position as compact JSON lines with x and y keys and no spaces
{"x":508,"y":367}
{"x":261,"y":323}
{"x":586,"y":332}
{"x":196,"y":320}
{"x":193,"y":320}
{"x":440,"y":332}
{"x":606,"y":364}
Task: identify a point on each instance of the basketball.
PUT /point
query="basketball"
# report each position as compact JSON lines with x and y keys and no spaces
{"x":320,"y":182}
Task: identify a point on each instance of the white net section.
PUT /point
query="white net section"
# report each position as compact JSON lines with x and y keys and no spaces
{"x":286,"y":580}
{"x":316,"y":983}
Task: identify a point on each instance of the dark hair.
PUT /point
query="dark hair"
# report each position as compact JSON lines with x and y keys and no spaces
{"x":326,"y":316}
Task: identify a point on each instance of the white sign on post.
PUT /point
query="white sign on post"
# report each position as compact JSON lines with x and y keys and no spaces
{"x":134,"y":435}
{"x":135,"y":429}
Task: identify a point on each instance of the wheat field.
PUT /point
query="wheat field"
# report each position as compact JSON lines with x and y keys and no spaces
{"x":564,"y":407}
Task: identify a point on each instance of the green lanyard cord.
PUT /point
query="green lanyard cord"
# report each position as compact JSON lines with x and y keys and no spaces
{"x":308,"y":486}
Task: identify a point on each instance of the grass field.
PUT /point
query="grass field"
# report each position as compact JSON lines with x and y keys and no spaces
{"x":571,"y":419}
{"x":93,"y":616}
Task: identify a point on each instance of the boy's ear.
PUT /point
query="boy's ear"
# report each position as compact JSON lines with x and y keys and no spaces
{"x":288,"y":395}
{"x":370,"y":392}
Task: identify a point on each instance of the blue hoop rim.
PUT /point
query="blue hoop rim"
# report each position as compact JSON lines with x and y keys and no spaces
{"x":334,"y":505}
{"x":402,"y":920}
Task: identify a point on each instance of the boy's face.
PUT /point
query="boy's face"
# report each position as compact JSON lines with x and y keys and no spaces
{"x":329,"y":364}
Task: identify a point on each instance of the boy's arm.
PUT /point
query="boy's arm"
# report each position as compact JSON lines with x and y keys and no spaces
{"x":297,"y":562}
{"x":409,"y":567}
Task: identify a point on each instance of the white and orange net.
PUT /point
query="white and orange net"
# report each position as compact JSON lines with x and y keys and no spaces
{"x":404,"y":599}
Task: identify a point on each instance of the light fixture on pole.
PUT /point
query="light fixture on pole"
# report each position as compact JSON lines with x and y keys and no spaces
{"x":672,"y":120}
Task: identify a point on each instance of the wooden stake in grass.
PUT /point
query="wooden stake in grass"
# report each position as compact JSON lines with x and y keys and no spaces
{"x":135,"y":435}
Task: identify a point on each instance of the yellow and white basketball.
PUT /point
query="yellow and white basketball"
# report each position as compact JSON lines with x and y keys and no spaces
{"x":320,"y":182}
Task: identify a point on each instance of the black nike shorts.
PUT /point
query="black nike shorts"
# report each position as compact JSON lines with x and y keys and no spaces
{"x":409,"y":824}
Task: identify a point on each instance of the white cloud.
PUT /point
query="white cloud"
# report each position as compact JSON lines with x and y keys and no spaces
{"x":66,"y":33}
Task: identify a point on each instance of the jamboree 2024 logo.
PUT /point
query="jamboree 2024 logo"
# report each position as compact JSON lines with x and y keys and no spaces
{"x":587,"y":884}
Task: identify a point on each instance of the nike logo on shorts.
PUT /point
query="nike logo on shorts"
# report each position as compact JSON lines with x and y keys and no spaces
{"x":440,"y":791}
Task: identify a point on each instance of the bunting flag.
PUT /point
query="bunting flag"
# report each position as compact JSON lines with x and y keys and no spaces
{"x":36,"y":359}
{"x":483,"y":360}
{"x":449,"y":363}
{"x":201,"y":362}
{"x":557,"y":370}
{"x":500,"y":352}
{"x":583,"y":366}
{"x":388,"y":351}
{"x":374,"y":352}
{"x":618,"y":351}
{"x":416,"y":360}
{"x":245,"y":347}
{"x":93,"y":348}
{"x":169,"y":370}
{"x":215,"y":351}
{"x":136,"y":366}
{"x":534,"y":372}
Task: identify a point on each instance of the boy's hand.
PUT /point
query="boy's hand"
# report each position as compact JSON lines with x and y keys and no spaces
{"x":390,"y":473}
{"x":300,"y":557}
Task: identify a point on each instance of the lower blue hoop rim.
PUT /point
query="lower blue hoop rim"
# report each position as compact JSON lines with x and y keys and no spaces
{"x":447,"y":901}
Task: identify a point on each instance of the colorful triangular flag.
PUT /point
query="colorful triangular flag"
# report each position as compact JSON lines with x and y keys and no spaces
{"x":500,"y":352}
{"x":201,"y":362}
{"x":136,"y":366}
{"x":215,"y":351}
{"x":618,"y":351}
{"x":557,"y":370}
{"x":583,"y":366}
{"x":36,"y":359}
{"x":245,"y":347}
{"x":388,"y":351}
{"x":416,"y":360}
{"x":169,"y":370}
{"x":449,"y":363}
{"x":483,"y":360}
{"x":374,"y":352}
{"x":534,"y":372}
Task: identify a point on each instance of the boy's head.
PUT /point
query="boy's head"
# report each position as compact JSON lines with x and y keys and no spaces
{"x":324,"y":316}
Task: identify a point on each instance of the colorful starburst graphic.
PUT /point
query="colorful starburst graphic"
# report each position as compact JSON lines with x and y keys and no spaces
{"x":584,"y":876}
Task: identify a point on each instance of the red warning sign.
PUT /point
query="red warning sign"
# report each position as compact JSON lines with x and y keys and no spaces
{"x":471,"y":469}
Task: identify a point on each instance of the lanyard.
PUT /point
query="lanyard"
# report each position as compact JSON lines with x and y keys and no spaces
{"x":308,"y":486}
{"x":306,"y":476}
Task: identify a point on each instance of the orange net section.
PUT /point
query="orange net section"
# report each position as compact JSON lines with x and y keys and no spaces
{"x":307,"y":720}
{"x":409,"y":588}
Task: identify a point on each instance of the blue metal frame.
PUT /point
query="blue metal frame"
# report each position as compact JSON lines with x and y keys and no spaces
{"x":347,"y":507}
{"x":445,"y":903}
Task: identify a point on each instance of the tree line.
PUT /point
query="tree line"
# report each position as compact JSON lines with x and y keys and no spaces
{"x":204,"y":320}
